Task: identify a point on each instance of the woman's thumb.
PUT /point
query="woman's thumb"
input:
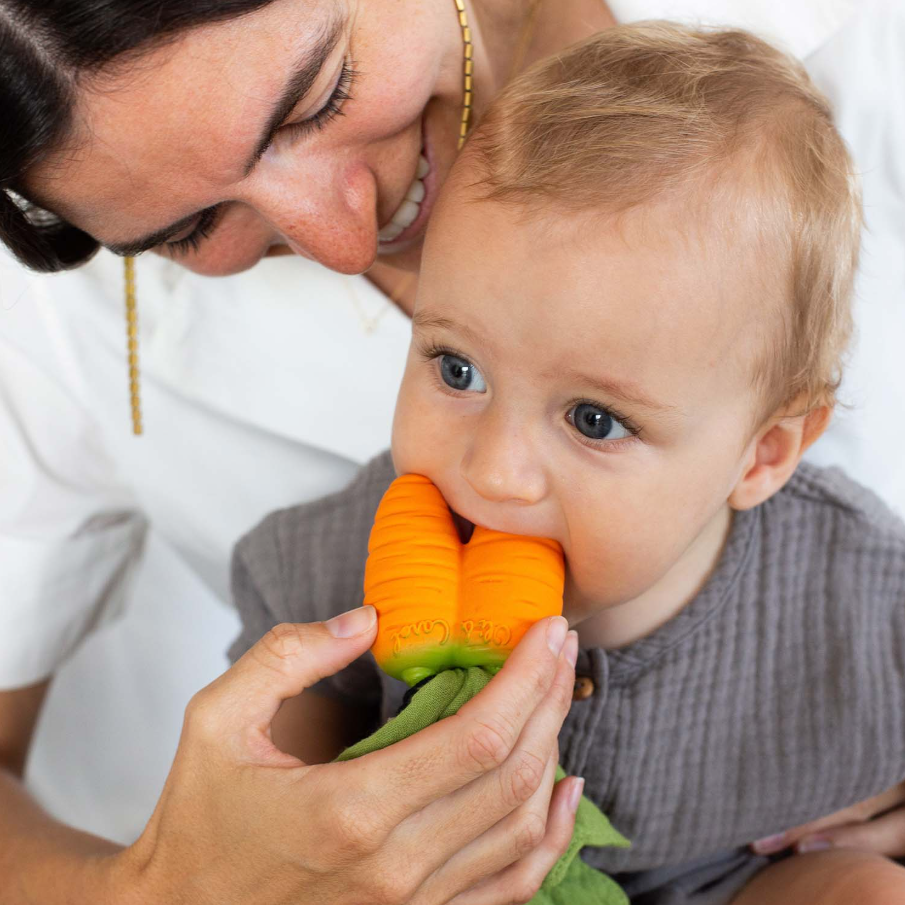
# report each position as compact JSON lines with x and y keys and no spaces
{"x":288,"y":659}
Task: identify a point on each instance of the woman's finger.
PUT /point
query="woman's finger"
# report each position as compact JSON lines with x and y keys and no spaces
{"x":404,"y":778}
{"x":237,"y":708}
{"x":521,"y":880}
{"x":466,"y":813}
{"x":883,"y":836}
{"x":512,"y":838}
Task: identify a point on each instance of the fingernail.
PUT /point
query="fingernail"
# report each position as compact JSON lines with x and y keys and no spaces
{"x":354,"y":622}
{"x":813,"y":844}
{"x":575,"y":793}
{"x":770,"y":844}
{"x":571,"y":647}
{"x":556,"y":634}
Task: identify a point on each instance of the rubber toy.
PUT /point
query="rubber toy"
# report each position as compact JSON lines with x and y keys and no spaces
{"x":449,"y":614}
{"x":442,"y":604}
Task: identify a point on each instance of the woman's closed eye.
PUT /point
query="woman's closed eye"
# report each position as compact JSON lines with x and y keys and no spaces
{"x":597,"y":423}
{"x":341,"y":93}
{"x":330,"y":109}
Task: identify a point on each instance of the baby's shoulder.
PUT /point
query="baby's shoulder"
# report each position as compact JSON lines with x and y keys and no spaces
{"x":821,"y":497}
{"x":312,"y":555}
{"x":832,"y":538}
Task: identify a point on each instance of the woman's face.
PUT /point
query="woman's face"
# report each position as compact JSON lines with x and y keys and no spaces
{"x":303,"y":126}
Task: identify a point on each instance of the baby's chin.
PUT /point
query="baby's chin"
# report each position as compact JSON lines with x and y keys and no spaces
{"x":583,"y":601}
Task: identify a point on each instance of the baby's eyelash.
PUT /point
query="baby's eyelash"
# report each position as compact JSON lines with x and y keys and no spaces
{"x":631,"y":426}
{"x":431,"y":351}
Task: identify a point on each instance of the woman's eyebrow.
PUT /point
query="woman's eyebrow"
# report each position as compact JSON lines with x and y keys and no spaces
{"x":304,"y":74}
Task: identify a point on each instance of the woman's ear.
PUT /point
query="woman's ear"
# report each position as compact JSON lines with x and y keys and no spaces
{"x":775,"y":452}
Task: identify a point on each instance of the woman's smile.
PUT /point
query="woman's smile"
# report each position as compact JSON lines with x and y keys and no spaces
{"x":405,"y":227}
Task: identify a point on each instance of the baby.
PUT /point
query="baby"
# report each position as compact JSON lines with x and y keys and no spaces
{"x":634,"y":300}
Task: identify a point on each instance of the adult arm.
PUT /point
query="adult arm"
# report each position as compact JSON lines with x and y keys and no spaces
{"x":40,"y":859}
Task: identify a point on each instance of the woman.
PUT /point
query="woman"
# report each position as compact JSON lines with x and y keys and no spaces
{"x":222,"y":135}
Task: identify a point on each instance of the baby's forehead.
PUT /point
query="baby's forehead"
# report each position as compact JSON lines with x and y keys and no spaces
{"x":675,"y":285}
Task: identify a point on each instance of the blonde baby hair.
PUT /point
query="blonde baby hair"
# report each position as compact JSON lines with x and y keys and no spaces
{"x":640,"y":113}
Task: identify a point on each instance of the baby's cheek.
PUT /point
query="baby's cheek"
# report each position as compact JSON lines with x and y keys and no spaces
{"x":418,"y":431}
{"x":619,"y":556}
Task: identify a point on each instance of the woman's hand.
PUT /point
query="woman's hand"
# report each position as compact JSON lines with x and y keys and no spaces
{"x":876,"y":825}
{"x":458,"y":810}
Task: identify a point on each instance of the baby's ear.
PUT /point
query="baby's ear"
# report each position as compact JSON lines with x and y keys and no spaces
{"x":775,"y":452}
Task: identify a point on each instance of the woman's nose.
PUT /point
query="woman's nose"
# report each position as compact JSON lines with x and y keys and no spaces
{"x":501,"y":463}
{"x":330,"y":217}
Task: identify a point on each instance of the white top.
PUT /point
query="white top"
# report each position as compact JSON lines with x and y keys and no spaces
{"x":266,"y":389}
{"x":257,"y":391}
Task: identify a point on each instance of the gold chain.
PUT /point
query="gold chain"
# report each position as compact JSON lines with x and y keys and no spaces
{"x":467,"y":73}
{"x":132,"y":346}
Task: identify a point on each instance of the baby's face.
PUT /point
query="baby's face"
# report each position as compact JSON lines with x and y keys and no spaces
{"x":571,"y":381}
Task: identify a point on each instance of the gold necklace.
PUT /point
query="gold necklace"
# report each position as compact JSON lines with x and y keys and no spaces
{"x":132,"y":346}
{"x":369,"y":323}
{"x":467,"y":73}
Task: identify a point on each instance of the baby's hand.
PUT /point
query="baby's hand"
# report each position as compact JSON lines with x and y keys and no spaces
{"x":876,"y":825}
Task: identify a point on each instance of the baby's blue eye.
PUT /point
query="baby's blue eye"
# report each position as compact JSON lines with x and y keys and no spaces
{"x":596,"y":423}
{"x":461,"y":374}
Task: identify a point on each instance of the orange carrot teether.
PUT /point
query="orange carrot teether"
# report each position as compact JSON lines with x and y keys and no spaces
{"x":442,"y":603}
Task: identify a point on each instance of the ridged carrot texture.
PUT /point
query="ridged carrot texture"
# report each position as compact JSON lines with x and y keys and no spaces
{"x":443,"y":604}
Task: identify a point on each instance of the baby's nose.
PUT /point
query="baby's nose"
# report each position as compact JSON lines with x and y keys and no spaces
{"x":501,"y":464}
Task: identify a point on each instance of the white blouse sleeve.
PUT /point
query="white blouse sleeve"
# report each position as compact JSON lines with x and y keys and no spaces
{"x":69,"y":535}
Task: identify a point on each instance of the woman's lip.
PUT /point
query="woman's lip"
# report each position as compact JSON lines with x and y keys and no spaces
{"x":414,"y":230}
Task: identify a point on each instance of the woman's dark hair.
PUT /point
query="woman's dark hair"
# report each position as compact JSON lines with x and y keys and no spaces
{"x":46,"y":46}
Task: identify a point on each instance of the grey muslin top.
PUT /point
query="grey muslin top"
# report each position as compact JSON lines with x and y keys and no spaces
{"x":776,"y":696}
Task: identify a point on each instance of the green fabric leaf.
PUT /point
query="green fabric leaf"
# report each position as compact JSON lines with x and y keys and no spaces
{"x":571,"y":881}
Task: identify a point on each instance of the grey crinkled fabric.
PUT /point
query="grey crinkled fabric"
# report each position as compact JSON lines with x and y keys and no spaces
{"x":775,"y":697}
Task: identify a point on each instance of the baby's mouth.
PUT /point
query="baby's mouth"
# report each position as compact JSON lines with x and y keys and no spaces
{"x":464,"y":527}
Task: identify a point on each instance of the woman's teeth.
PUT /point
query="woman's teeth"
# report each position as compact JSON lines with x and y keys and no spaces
{"x":408,"y":211}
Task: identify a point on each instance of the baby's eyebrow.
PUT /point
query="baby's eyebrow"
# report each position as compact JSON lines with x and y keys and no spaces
{"x":429,"y":321}
{"x":626,"y":391}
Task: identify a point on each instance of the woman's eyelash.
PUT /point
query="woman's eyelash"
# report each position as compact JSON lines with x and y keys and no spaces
{"x":332,"y":108}
{"x":204,"y":227}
